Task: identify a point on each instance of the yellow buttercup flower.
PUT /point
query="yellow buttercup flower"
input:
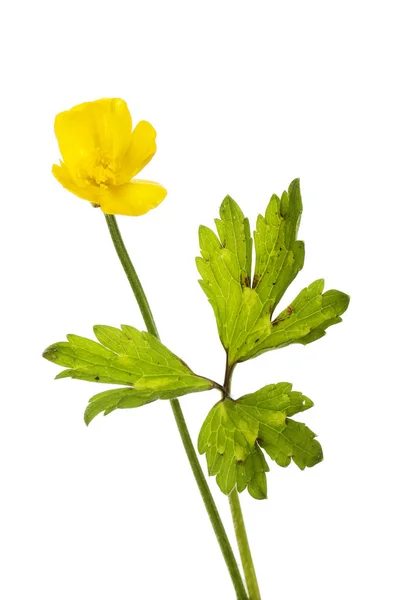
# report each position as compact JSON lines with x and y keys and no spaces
{"x":102,"y":153}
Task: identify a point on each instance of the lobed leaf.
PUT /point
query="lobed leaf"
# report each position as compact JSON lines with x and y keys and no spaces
{"x":234,"y":431}
{"x":306,"y":318}
{"x":229,"y":440}
{"x":129,"y":357}
{"x":244,"y":310}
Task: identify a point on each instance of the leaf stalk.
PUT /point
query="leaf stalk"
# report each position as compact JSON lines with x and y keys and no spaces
{"x":237,"y":518}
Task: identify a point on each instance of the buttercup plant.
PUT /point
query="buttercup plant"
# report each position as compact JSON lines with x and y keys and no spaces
{"x":101,"y":156}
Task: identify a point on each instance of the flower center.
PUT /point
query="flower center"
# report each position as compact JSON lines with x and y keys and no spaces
{"x":101,"y":170}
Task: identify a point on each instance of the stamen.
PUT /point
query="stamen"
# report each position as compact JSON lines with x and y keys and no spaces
{"x":101,"y":170}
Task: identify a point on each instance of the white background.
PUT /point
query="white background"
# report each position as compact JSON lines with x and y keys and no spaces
{"x":245,"y":96}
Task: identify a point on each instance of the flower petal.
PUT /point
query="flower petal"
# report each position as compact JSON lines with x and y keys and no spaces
{"x":141,"y":150}
{"x":104,"y":124}
{"x":62,"y":175}
{"x":133,"y":199}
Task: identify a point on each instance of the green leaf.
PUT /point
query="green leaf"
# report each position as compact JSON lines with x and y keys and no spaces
{"x":282,"y":438}
{"x":129,"y":357}
{"x":306,"y":319}
{"x":279,"y":256}
{"x":225,"y":267}
{"x":244,"y":310}
{"x":234,"y":431}
{"x":229,"y":440}
{"x":109,"y":400}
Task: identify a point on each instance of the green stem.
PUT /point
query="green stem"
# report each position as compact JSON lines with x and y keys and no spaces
{"x":244,"y":547}
{"x":179,"y":417}
{"x":237,"y":517}
{"x":131,"y":274}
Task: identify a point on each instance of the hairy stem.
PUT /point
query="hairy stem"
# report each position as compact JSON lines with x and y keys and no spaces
{"x":237,"y":517}
{"x":179,"y":417}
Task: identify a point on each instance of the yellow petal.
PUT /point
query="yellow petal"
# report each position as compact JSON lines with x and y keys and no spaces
{"x":133,"y":199}
{"x":141,"y":150}
{"x":62,"y":175}
{"x":104,"y":124}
